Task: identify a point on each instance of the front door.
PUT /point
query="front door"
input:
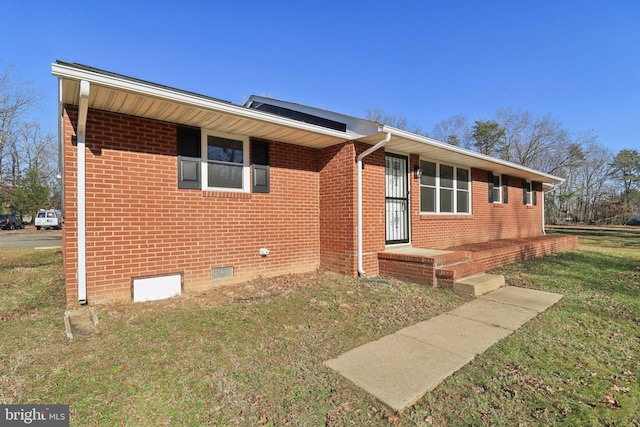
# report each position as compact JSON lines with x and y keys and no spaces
{"x":397,"y":198}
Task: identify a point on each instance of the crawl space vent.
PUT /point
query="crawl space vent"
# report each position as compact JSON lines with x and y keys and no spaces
{"x":221,"y":272}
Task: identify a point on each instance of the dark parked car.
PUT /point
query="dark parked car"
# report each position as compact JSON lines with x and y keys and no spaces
{"x":10,"y":222}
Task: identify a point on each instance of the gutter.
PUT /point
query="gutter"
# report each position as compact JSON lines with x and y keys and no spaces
{"x":83,"y":108}
{"x":361,"y":156}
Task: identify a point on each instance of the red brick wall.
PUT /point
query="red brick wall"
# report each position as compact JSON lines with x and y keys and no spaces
{"x":140,"y":224}
{"x":488,"y":221}
{"x":532,"y":249}
{"x":338,"y":209}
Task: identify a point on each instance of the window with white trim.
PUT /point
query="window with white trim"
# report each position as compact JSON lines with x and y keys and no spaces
{"x":527,"y":199}
{"x":444,"y":189}
{"x":497,"y":189}
{"x":226,"y":165}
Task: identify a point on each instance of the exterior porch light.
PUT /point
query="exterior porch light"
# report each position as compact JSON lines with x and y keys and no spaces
{"x":417,"y":172}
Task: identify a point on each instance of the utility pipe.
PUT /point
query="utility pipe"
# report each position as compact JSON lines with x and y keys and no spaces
{"x":361,"y":156}
{"x":83,"y":108}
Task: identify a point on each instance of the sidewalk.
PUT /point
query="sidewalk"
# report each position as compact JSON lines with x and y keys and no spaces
{"x":400,"y":368}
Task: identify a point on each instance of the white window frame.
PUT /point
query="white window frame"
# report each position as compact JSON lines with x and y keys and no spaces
{"x":246,"y":184}
{"x":455,"y":190}
{"x":498,"y":188}
{"x":529,"y":193}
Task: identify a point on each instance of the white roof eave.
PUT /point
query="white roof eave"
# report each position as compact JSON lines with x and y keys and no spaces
{"x":68,"y":72}
{"x":296,"y":132}
{"x":430,"y":148}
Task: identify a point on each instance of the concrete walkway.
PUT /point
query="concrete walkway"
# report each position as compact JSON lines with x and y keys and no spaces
{"x":400,"y":368}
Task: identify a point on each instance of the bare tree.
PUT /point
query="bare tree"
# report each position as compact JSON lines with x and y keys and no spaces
{"x":16,"y":99}
{"x":36,"y":148}
{"x":593,"y":177}
{"x":529,"y":138}
{"x":454,"y":130}
{"x":594,"y":174}
{"x":23,"y":146}
{"x":399,"y":121}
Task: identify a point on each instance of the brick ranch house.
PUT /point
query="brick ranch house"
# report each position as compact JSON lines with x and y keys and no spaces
{"x":168,"y":191}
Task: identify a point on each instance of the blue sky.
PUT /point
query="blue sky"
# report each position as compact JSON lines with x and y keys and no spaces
{"x":425,"y":60}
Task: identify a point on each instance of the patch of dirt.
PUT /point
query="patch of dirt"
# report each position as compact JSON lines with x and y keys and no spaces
{"x":261,"y":289}
{"x":246,"y":293}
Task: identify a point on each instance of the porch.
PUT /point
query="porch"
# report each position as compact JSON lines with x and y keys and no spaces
{"x":462,"y":266}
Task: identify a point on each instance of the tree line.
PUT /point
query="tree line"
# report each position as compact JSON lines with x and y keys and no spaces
{"x":29,"y":177}
{"x":599,"y":187}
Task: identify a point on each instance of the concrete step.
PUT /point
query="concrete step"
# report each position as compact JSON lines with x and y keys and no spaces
{"x":477,"y":285}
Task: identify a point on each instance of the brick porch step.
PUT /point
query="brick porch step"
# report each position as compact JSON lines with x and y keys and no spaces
{"x":448,"y":275}
{"x":451,"y":258}
{"x":479,"y":284}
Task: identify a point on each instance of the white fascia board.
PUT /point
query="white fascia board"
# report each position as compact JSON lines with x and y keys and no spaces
{"x":465,"y":152}
{"x":71,"y":73}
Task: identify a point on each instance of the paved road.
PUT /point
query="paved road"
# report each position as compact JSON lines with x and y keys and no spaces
{"x":30,"y":238}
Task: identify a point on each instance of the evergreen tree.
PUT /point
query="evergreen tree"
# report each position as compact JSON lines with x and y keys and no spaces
{"x":31,"y":192}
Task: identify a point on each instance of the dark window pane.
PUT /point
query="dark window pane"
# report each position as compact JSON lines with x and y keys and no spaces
{"x":189,"y":142}
{"x":427,"y":199}
{"x":446,"y":200}
{"x":224,"y":150}
{"x":462,"y":178}
{"x":462,"y":201}
{"x":446,"y":176}
{"x":260,"y":153}
{"x":428,"y":173}
{"x":225,"y":176}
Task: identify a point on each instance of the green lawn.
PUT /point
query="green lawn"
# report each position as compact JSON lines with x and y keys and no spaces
{"x":252,"y":354}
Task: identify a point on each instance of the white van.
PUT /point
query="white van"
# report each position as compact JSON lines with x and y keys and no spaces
{"x":48,"y":218}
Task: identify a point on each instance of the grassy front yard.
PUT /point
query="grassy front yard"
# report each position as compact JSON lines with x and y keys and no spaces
{"x":252,"y":354}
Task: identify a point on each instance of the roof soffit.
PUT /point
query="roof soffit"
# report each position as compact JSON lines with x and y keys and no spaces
{"x":192,"y":110}
{"x":119,"y":94}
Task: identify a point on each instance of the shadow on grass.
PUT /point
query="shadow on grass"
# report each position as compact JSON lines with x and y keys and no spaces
{"x":28,"y":258}
{"x":590,"y":270}
{"x":627,"y":239}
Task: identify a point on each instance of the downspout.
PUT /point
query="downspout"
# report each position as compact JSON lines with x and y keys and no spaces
{"x":361,"y":156}
{"x":83,"y":108}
